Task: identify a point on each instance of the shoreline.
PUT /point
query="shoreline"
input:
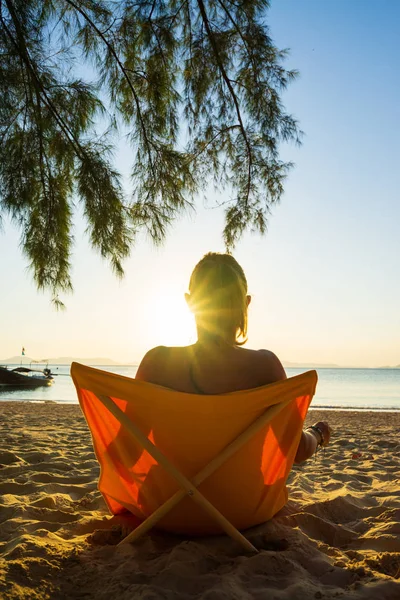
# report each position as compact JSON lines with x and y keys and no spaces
{"x":328,"y":409}
{"x":338,"y":535}
{"x":362,"y":409}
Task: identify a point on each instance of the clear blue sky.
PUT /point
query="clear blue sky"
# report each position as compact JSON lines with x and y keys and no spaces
{"x":325,"y":279}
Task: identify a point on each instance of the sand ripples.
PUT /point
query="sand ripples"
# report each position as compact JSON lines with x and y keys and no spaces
{"x":339,"y":535}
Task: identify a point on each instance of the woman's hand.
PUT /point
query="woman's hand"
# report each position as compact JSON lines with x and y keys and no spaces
{"x":311,"y":439}
{"x":326,"y":431}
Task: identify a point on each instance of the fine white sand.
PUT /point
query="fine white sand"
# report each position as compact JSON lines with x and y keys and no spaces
{"x":338,"y":537}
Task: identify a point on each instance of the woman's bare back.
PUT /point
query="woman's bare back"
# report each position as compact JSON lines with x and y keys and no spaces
{"x":210,"y":368}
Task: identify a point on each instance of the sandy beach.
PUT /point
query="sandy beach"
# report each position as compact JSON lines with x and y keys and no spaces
{"x":338,"y":537}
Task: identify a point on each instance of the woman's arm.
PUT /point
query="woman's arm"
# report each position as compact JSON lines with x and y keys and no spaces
{"x":307,"y":447}
{"x":310,"y":440}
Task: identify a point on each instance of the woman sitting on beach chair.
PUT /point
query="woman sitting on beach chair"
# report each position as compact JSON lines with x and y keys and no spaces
{"x":216,"y":363}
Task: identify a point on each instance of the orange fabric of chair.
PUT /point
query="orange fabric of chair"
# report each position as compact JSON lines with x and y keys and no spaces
{"x":191,"y":430}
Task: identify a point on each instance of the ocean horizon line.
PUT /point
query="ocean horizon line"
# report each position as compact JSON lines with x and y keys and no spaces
{"x":109,"y":362}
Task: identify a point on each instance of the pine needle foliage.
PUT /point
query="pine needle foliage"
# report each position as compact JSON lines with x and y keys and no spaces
{"x":197,"y":83}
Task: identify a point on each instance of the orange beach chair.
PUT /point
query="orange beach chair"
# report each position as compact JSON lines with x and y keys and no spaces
{"x":193,"y":464}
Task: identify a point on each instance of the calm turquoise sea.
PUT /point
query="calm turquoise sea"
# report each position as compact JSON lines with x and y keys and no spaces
{"x":373,"y":389}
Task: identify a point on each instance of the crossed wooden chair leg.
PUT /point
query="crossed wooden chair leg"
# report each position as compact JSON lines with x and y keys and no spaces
{"x":190,"y":487}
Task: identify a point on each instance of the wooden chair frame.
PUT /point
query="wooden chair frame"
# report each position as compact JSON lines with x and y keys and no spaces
{"x":190,"y":487}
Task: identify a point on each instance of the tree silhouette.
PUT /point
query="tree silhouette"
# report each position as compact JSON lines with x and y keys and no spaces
{"x":196,"y":83}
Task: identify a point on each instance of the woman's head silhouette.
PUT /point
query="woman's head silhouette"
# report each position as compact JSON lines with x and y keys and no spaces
{"x":218,"y":298}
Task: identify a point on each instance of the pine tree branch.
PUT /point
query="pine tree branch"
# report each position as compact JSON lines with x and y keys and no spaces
{"x":23,"y":52}
{"x":40,"y":133}
{"x":158,"y":43}
{"x":238,"y":31}
{"x":144,"y":51}
{"x":152,"y":9}
{"x":220,"y":132}
{"x":10,"y":124}
{"x":189,"y":21}
{"x":124,"y":72}
{"x":231,"y":91}
{"x":173,"y":17}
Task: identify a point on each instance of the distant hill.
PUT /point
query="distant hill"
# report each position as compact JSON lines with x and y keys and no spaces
{"x":67,"y":360}
{"x":293,"y":365}
{"x":63,"y":360}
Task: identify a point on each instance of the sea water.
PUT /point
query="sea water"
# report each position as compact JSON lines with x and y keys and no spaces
{"x":360,"y":389}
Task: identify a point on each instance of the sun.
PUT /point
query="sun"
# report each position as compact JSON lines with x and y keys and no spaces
{"x":172,"y":323}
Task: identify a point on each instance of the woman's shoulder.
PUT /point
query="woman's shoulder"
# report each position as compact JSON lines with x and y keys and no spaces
{"x":266,"y":365}
{"x":157,"y":359}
